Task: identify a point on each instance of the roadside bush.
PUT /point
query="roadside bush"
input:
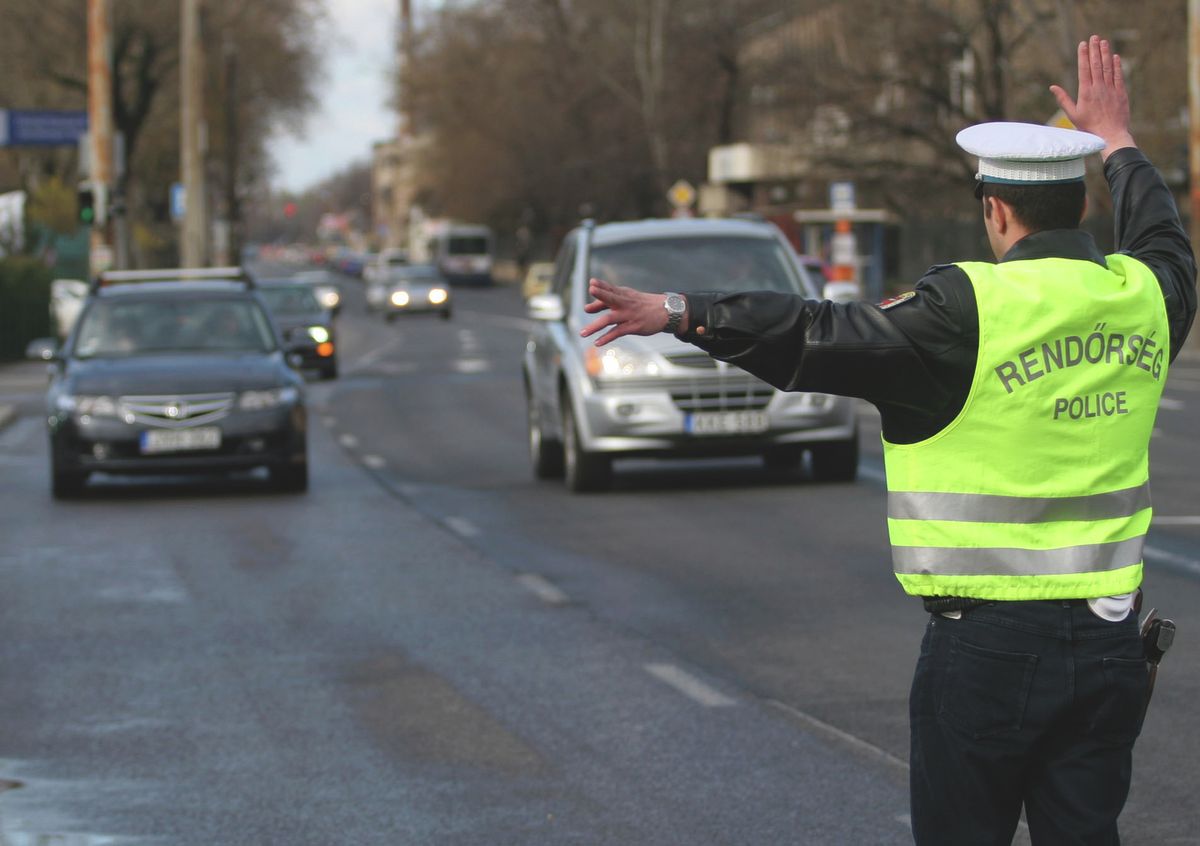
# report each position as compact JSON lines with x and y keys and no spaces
{"x":24,"y":304}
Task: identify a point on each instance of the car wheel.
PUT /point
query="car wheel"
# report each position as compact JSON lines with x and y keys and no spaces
{"x":66,"y":484}
{"x":783,"y":459}
{"x":584,"y":471}
{"x":836,"y":462}
{"x":546,"y":454}
{"x":290,"y":478}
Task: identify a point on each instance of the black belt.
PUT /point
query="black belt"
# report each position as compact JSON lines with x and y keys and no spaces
{"x":950,"y":604}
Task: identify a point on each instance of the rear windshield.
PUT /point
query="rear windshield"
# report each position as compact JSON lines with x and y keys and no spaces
{"x":139,"y":327}
{"x":466,"y":246}
{"x":297,"y":299}
{"x":710,"y":263}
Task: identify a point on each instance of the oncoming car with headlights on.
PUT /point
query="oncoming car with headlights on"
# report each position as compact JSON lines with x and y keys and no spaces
{"x":658,"y":396}
{"x":414,"y":288}
{"x":173,"y":371}
{"x":306,"y":327}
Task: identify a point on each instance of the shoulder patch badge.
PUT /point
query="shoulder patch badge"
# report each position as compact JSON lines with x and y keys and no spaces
{"x":892,"y":302}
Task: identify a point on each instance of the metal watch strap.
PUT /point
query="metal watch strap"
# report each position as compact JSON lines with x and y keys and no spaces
{"x":674,"y":318}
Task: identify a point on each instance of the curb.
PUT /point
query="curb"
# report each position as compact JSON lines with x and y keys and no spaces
{"x":7,"y":415}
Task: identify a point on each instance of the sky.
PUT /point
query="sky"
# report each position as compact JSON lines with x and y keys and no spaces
{"x":351,"y":94}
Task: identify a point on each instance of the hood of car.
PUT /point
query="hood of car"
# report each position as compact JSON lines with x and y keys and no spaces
{"x":287,"y":322}
{"x":176,"y":374}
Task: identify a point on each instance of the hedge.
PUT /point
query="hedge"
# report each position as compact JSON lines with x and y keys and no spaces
{"x":24,"y":304}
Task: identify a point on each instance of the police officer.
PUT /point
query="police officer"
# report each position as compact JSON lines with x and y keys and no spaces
{"x":1017,"y":401}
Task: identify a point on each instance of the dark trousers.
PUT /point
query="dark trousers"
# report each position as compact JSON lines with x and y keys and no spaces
{"x":1033,"y":704}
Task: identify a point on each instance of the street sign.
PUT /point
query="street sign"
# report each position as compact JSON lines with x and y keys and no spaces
{"x":841,"y":197}
{"x":682,"y":194}
{"x":41,"y":127}
{"x":178,"y":201}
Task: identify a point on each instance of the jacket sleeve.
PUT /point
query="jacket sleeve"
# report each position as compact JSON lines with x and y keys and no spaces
{"x":1148,"y":228}
{"x":892,"y":355}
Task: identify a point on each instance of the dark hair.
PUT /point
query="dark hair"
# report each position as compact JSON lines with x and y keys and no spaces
{"x":1058,"y":205}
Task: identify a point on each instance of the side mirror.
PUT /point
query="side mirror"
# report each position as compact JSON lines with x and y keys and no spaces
{"x":841,"y":292}
{"x":546,"y":307}
{"x":42,"y":349}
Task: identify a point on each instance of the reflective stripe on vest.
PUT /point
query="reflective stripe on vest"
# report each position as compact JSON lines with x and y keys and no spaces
{"x":1039,"y":488}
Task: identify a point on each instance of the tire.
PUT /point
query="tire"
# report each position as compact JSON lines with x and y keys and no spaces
{"x":546,"y":454}
{"x":783,"y":459}
{"x":836,"y":462}
{"x":584,"y":471}
{"x":290,"y":478}
{"x":66,"y":484}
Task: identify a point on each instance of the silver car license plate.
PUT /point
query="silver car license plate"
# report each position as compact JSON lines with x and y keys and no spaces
{"x":726,"y":423}
{"x":180,"y":440}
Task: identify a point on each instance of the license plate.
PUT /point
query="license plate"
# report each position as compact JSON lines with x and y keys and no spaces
{"x":726,"y":423}
{"x":180,"y":440}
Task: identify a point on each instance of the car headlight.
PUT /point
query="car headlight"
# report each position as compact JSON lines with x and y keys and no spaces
{"x":270,"y":398}
{"x":399,"y":298}
{"x":86,"y":404}
{"x":318,"y":333}
{"x":437,"y":296}
{"x":328,"y":297}
{"x":617,"y":363}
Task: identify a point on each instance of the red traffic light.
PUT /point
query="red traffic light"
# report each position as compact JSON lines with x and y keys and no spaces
{"x":289,"y":209}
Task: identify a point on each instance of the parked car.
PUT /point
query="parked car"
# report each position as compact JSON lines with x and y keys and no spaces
{"x":537,"y":278}
{"x":414,"y":288}
{"x":173,"y":371}
{"x":306,"y":327}
{"x":658,"y":396}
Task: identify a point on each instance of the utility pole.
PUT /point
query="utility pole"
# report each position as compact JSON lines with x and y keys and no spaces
{"x":100,"y":128}
{"x":194,"y":238}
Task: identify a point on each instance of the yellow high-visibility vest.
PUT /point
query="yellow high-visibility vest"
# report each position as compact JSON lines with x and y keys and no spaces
{"x":1039,"y":489}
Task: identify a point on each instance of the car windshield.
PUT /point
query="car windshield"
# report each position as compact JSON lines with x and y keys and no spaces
{"x":290,"y":299}
{"x":462,"y":245}
{"x":700,"y":263}
{"x":138,"y":327}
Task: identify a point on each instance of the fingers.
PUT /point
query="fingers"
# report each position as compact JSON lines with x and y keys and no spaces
{"x":1064,"y":101}
{"x":1095,"y":61}
{"x":1106,"y":62}
{"x":1085,"y":67}
{"x":595,"y":326}
{"x":1118,"y":75}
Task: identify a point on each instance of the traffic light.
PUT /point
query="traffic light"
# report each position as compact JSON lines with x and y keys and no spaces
{"x":86,"y":200}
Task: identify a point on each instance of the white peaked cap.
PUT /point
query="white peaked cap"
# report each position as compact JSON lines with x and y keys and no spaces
{"x":1028,"y":152}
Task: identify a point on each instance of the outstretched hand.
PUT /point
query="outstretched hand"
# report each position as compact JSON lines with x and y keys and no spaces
{"x":1102,"y":107}
{"x":629,"y":312}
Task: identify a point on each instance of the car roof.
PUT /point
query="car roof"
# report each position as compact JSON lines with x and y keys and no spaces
{"x":174,"y":289}
{"x":642,"y":230}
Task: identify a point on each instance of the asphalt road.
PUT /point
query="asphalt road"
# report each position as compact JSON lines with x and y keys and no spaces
{"x":431,"y":647}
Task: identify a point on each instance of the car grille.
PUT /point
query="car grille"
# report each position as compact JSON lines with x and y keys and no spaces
{"x":175,"y":412}
{"x":729,"y":389}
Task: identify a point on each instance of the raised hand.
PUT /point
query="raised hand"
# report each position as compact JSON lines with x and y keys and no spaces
{"x":629,"y":312}
{"x":1102,"y":107}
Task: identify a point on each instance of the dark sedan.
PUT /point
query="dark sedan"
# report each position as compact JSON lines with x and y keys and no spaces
{"x":175,"y":377}
{"x":306,"y":326}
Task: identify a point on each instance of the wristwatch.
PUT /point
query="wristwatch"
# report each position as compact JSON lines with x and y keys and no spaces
{"x":676,"y":307}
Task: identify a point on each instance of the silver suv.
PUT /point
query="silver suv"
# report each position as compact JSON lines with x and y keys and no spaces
{"x":658,"y":396}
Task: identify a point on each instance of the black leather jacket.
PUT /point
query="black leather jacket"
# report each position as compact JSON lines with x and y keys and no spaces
{"x":915,"y":361}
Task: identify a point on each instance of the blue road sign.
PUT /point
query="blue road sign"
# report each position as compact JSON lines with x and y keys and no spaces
{"x":41,"y":127}
{"x":178,"y":201}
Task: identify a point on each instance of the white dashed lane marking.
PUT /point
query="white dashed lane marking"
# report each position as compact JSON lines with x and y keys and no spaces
{"x":542,"y":589}
{"x":348,"y":441}
{"x":689,"y":686}
{"x":375,"y":462}
{"x":461,"y":526}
